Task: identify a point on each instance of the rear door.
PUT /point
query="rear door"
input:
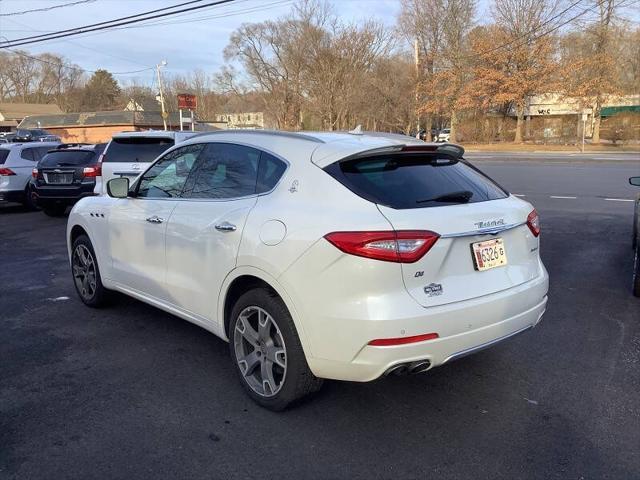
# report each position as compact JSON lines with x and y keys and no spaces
{"x":204,"y":233}
{"x":435,"y":192}
{"x":129,"y":156}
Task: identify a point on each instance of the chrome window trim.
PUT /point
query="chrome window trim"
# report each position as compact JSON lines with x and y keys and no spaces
{"x":242,"y":144}
{"x":484,"y":231}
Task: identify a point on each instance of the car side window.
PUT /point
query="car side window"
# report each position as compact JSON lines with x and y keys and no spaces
{"x":40,"y":152}
{"x":269,"y":172}
{"x":27,"y":154}
{"x":167,"y":177}
{"x":225,"y":171}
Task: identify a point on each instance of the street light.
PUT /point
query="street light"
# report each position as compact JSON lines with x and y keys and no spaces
{"x":163,"y":63}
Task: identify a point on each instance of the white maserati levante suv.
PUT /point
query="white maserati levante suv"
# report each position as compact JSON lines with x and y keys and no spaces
{"x":317,"y":255}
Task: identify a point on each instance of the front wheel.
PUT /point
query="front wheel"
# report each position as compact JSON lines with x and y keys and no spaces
{"x":267,"y":353}
{"x":86,"y":274}
{"x":29,"y":199}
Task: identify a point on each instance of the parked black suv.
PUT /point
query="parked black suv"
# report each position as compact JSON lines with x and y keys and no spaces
{"x":23,"y":135}
{"x":65,"y":175}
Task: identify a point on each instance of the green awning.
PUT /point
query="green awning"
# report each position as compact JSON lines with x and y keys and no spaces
{"x":610,"y":111}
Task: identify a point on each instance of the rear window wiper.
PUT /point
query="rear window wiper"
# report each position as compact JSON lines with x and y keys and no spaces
{"x":454,"y":197}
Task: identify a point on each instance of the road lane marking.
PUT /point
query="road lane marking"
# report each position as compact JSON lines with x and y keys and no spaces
{"x":518,"y":195}
{"x":558,"y":196}
{"x":619,"y":199}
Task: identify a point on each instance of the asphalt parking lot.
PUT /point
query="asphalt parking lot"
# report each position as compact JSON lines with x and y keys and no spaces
{"x":132,"y":392}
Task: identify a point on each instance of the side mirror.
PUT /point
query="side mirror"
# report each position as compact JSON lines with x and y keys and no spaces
{"x":635,"y":181}
{"x":118,"y":187}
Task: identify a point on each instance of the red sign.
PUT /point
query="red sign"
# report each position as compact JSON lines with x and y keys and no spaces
{"x":187,"y":101}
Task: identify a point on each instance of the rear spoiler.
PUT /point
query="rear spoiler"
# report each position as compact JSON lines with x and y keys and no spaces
{"x":452,"y":149}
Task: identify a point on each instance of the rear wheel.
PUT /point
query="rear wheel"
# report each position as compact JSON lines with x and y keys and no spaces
{"x":86,"y":274}
{"x":267,"y":353}
{"x":29,"y":199}
{"x":55,"y":210}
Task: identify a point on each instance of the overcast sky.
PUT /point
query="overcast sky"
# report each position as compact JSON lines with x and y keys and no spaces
{"x":187,"y":41}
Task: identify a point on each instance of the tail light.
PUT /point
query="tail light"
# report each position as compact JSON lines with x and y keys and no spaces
{"x":34,"y":173}
{"x":403,"y":246}
{"x":6,"y":171}
{"x":533,"y":222}
{"x":94,"y":171}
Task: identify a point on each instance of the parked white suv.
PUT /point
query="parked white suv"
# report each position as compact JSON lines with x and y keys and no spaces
{"x":16,"y":164}
{"x":318,"y":255}
{"x":444,"y":135}
{"x":128,"y":154}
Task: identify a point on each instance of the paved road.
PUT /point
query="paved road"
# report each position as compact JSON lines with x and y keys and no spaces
{"x":132,"y":392}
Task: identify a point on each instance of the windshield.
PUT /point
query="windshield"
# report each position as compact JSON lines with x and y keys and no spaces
{"x":404,"y":181}
{"x":136,"y":149}
{"x":68,"y":158}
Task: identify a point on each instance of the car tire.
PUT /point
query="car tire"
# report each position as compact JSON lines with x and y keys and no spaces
{"x":270,"y":362}
{"x":86,"y":274}
{"x":55,"y":210}
{"x":636,"y":271}
{"x":29,"y":201}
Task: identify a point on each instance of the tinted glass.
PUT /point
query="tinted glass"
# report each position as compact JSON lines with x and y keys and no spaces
{"x":4,"y":153}
{"x":136,"y":149}
{"x":269,"y":172}
{"x":167,"y":177}
{"x":28,"y":154}
{"x":68,"y":158}
{"x":405,"y":181}
{"x":225,"y":171}
{"x":40,"y":152}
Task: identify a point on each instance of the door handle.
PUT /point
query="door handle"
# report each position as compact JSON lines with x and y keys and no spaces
{"x":226,"y":227}
{"x":155,"y":219}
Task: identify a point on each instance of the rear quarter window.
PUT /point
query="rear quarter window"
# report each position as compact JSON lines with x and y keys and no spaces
{"x":4,"y":153}
{"x":136,"y":149}
{"x":404,"y":181}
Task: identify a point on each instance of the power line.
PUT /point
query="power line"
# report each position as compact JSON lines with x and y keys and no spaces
{"x":46,"y":9}
{"x":72,"y":67}
{"x":113,"y":23}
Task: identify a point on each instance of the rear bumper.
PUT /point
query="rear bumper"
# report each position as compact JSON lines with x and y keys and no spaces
{"x":470,"y":326}
{"x":12,"y":196}
{"x":62,"y":195}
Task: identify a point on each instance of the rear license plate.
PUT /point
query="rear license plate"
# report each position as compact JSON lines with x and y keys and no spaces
{"x":488,"y":254}
{"x":59,"y":178}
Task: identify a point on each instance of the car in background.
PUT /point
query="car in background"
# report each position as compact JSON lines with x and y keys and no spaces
{"x":636,"y":239}
{"x":346,"y":256}
{"x":444,"y":135}
{"x":16,"y":163}
{"x":128,"y":154}
{"x":65,"y":175}
{"x":23,"y":135}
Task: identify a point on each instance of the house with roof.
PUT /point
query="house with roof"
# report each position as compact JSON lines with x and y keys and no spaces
{"x":11,"y":114}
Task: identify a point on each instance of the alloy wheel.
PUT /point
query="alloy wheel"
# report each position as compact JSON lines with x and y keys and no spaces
{"x":260,"y":351}
{"x":84,"y":272}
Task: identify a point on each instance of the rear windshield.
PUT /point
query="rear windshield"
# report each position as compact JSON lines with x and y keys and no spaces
{"x":136,"y":149}
{"x":68,"y":158}
{"x":4,"y":153}
{"x":403,"y":181}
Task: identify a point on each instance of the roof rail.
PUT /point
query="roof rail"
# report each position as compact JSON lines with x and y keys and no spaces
{"x":278,"y":133}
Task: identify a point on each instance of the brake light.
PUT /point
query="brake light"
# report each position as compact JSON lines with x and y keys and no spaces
{"x":94,"y":171}
{"x":388,"y":342}
{"x":403,"y":246}
{"x":34,"y":173}
{"x":6,"y":171}
{"x":533,"y":222}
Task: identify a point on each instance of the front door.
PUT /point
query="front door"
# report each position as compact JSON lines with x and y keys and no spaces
{"x":137,"y":225}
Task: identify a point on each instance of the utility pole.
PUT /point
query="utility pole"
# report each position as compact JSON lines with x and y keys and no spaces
{"x":163,"y":63}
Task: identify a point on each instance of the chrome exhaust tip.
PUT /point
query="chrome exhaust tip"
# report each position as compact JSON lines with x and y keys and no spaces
{"x":400,"y":369}
{"x":419,"y":367}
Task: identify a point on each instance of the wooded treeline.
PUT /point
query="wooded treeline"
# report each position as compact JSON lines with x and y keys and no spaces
{"x":440,"y":66}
